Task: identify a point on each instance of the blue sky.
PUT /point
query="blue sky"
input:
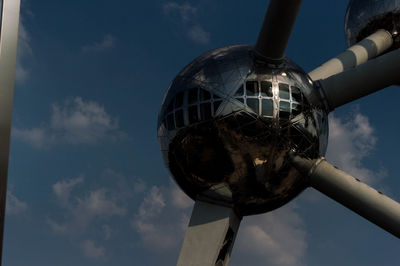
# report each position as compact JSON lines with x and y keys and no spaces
{"x":87,"y":184}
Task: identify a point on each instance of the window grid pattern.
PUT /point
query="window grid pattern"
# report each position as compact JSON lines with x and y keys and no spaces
{"x":191,"y":106}
{"x":261,"y":96}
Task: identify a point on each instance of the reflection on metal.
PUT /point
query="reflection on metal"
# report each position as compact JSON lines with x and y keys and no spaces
{"x":350,"y":192}
{"x":8,"y":51}
{"x":364,"y":17}
{"x":368,"y":48}
{"x":227,"y":122}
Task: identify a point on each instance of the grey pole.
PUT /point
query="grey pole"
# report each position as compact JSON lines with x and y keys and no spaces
{"x":351,"y":192}
{"x":362,"y":80}
{"x":277,"y":26}
{"x":210,"y":236}
{"x":370,"y":47}
{"x":8,"y":53}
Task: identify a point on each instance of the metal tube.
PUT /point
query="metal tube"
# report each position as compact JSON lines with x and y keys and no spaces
{"x":365,"y":79}
{"x":8,"y":52}
{"x":210,"y":236}
{"x":351,"y":192}
{"x":277,"y":26}
{"x":370,"y":47}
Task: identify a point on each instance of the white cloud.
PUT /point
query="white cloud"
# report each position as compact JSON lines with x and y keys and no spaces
{"x":15,"y":205}
{"x":106,"y":43}
{"x":37,"y":137}
{"x":79,"y":121}
{"x":107,"y":231}
{"x":80,"y":211}
{"x":350,"y":141}
{"x":24,"y":51}
{"x":93,"y":218}
{"x":62,"y":189}
{"x":76,"y":121}
{"x":187,"y":15}
{"x":186,"y":11}
{"x":152,"y":204}
{"x":97,"y":203}
{"x":91,"y":250}
{"x":179,"y":199}
{"x":56,"y":227}
{"x":199,"y":35}
{"x":276,"y":238}
{"x":139,"y":186}
{"x":162,"y":218}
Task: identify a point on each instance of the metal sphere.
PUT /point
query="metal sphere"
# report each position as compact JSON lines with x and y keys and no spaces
{"x":364,"y":17}
{"x":227,"y":123}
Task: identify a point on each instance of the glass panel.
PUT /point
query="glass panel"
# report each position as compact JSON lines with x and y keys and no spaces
{"x":216,"y":96}
{"x":284,"y":110}
{"x":284,"y":115}
{"x":179,"y":118}
{"x":205,"y":111}
{"x":296,"y":109}
{"x":170,"y":106}
{"x":284,"y":91}
{"x":252,"y":88}
{"x":296,"y":94}
{"x":284,"y":106}
{"x":204,"y":95}
{"x":170,"y":122}
{"x":240,"y":99}
{"x":179,"y":100}
{"x":266,"y":88}
{"x":267,"y":107}
{"x":193,"y":118}
{"x":216,"y":105}
{"x":239,"y":92}
{"x":192,"y":96}
{"x":253,"y":104}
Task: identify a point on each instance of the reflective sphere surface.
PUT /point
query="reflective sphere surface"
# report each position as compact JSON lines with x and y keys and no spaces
{"x":364,"y":17}
{"x":227,"y":123}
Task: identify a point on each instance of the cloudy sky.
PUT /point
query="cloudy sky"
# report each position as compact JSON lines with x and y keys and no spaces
{"x":87,"y":184}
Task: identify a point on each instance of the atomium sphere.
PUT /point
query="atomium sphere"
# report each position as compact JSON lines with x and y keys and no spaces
{"x":364,"y":17}
{"x":227,"y":123}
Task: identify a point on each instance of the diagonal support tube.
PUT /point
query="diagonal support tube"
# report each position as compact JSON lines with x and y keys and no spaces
{"x":351,"y":192}
{"x":370,"y":47}
{"x":275,"y":31}
{"x":363,"y":80}
{"x":210,"y":236}
{"x":8,"y":52}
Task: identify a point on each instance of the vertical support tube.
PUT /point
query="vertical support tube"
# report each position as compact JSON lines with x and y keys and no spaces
{"x":370,"y":47}
{"x":8,"y":53}
{"x":351,"y":193}
{"x":210,"y":236}
{"x":276,"y":29}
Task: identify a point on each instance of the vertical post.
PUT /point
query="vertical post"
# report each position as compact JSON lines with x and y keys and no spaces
{"x":276,"y":29}
{"x":210,"y":236}
{"x":8,"y":53}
